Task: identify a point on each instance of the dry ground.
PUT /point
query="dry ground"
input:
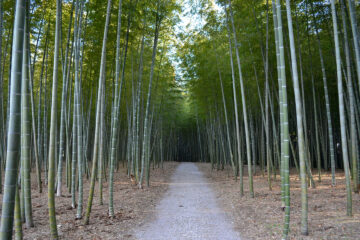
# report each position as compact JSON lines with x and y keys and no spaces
{"x":133,"y":207}
{"x":262,"y":217}
{"x":259,"y":218}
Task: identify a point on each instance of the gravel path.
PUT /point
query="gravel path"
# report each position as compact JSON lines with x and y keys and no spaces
{"x":188,"y":211}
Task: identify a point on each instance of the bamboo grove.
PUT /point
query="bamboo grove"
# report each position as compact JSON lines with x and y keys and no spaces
{"x":260,"y":85}
{"x":83,"y":85}
{"x":274,"y":85}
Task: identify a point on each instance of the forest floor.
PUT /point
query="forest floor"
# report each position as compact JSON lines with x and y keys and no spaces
{"x":133,"y":207}
{"x":262,"y":217}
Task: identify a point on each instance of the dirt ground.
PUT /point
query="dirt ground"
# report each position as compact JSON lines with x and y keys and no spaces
{"x":133,"y":207}
{"x":259,"y":218}
{"x":262,"y":217}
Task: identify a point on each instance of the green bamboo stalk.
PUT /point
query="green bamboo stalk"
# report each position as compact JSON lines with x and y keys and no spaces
{"x":299,"y":122}
{"x":25,"y":127}
{"x":45,"y":121}
{"x":22,"y":200}
{"x":101,"y":146}
{"x":39,"y":126}
{"x":12,"y":161}
{"x":32,"y":103}
{"x":308,"y":161}
{"x":225,"y":111}
{"x":52,"y":140}
{"x":342,"y":112}
{"x":116,"y":115}
{"x":17,"y":216}
{"x":353,"y":137}
{"x":149,"y":148}
{"x":35,"y":137}
{"x":63,"y":111}
{"x":146,"y":124}
{"x":74,"y":123}
{"x":2,"y":117}
{"x":74,"y":158}
{"x":267,"y":127}
{"x":199,"y":138}
{"x":280,"y":100}
{"x":237,"y":126}
{"x":354,"y":29}
{"x":246,"y":122}
{"x":327,"y":102}
{"x":315,"y":106}
{"x":79,"y":116}
{"x":285,"y":125}
{"x":138,"y":109}
{"x":98,"y":106}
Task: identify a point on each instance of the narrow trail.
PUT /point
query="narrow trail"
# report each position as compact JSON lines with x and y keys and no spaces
{"x":188,"y":211}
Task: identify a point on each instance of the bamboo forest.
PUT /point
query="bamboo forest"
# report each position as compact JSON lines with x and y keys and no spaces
{"x":180,"y":119}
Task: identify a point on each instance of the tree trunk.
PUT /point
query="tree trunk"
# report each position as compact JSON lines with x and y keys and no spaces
{"x":299,"y":122}
{"x":284,"y":124}
{"x":146,"y":124}
{"x":236,"y":112}
{"x":246,"y":123}
{"x":353,"y":131}
{"x":52,"y":141}
{"x":98,"y":108}
{"x":13,"y":148}
{"x":342,"y":112}
{"x":63,"y":111}
{"x":116,"y":110}
{"x":25,"y":126}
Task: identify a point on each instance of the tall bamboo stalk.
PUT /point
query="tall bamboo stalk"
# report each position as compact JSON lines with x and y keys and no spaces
{"x":2,"y":117}
{"x":146,"y":124}
{"x":52,"y":140}
{"x":240,"y":161}
{"x":225,"y":111}
{"x":116,"y":110}
{"x":342,"y":112}
{"x":353,"y":143}
{"x":355,"y":32}
{"x":299,"y":122}
{"x":284,"y":124}
{"x":267,"y":125}
{"x":246,"y":123}
{"x":280,"y":99}
{"x":63,"y":110}
{"x":79,"y":116}
{"x":327,"y":102}
{"x":14,"y":117}
{"x":98,"y":108}
{"x":25,"y":126}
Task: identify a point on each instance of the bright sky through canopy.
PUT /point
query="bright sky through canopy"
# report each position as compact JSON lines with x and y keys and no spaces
{"x":190,"y":22}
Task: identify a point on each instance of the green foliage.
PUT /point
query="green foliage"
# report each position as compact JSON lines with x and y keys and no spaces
{"x":200,"y":49}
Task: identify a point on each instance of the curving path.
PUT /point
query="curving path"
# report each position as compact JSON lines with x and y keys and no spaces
{"x":188,"y":211}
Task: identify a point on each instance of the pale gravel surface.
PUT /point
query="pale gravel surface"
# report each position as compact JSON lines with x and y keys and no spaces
{"x":188,"y":211}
